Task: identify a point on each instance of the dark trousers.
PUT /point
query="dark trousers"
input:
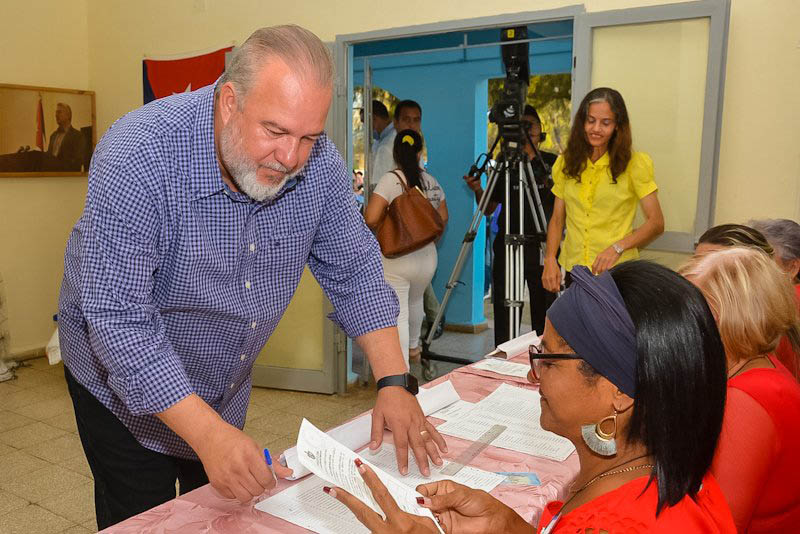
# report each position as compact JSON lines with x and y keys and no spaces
{"x":540,"y":299}
{"x":128,"y":478}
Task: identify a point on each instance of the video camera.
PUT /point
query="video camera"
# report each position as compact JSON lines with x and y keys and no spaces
{"x":507,"y":112}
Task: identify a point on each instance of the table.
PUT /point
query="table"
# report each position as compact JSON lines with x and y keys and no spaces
{"x":203,"y":510}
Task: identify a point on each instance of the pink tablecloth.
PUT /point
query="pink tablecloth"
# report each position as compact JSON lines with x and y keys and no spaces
{"x":204,"y":511}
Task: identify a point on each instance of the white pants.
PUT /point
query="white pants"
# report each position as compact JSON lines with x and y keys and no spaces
{"x":409,"y":275}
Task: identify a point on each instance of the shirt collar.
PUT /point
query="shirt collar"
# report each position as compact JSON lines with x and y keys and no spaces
{"x":386,"y":131}
{"x":604,"y":161}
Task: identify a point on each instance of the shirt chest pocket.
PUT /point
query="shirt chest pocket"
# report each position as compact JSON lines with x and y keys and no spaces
{"x":283,"y":257}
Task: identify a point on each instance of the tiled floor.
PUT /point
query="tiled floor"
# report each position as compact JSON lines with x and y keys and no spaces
{"x":45,"y":483}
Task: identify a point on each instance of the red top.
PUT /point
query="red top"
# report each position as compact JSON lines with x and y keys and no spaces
{"x":785,"y":353}
{"x":628,"y":510}
{"x":756,"y":463}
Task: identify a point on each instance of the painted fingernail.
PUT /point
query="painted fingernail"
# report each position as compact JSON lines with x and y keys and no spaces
{"x":326,"y":489}
{"x":358,"y":462}
{"x":420,"y":501}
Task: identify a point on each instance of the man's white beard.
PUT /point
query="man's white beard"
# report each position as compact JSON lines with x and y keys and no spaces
{"x":243,"y":171}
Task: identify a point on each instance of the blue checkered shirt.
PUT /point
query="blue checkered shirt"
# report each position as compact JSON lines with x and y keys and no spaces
{"x":173,"y":282}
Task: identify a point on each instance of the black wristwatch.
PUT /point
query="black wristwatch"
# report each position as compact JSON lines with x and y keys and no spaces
{"x":406,"y":381}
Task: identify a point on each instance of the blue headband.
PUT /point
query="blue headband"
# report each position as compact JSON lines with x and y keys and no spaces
{"x":592,"y":318}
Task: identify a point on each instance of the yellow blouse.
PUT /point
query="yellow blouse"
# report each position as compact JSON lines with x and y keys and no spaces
{"x":600,"y":212}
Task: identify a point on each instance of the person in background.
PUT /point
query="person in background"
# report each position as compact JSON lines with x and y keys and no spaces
{"x":598,"y":182}
{"x":757,"y":462}
{"x":383,"y":133}
{"x":66,"y":143}
{"x":784,"y":236}
{"x":540,"y":299}
{"x":645,"y":429}
{"x":732,"y":235}
{"x":410,"y":274}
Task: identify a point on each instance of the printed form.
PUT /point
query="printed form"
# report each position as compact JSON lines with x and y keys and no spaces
{"x":518,"y":409}
{"x":502,"y":367}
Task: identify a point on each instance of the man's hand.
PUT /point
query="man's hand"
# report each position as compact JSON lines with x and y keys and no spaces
{"x":235,"y":464}
{"x":473,"y":182}
{"x":467,"y":511}
{"x":399,"y":410}
{"x":605,"y":260}
{"x":551,"y":275}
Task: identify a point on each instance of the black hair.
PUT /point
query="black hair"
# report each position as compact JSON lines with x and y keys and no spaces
{"x":736,"y":235}
{"x":681,"y":376}
{"x":398,"y":109}
{"x":379,"y":110}
{"x":530,"y":111}
{"x":407,"y":146}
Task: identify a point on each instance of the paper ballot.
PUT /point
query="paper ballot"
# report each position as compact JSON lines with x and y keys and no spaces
{"x":335,"y":463}
{"x":503,"y":367}
{"x":518,"y":409}
{"x":514,"y":347}
{"x":356,"y":433}
{"x":454,"y":411}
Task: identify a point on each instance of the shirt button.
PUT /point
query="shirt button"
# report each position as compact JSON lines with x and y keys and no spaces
{"x":247,"y":284}
{"x":243,"y":357}
{"x":253,"y":324}
{"x":233,"y":386}
{"x":252,"y":247}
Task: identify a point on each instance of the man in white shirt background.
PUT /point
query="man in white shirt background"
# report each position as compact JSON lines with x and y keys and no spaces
{"x":383,"y":133}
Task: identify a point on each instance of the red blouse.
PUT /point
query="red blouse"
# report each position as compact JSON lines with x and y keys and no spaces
{"x":757,"y":461}
{"x":628,"y":510}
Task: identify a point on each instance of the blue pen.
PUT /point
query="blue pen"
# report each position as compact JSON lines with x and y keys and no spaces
{"x":268,"y":458}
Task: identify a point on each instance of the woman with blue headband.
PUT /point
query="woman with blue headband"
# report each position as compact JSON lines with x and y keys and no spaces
{"x":631,"y":370}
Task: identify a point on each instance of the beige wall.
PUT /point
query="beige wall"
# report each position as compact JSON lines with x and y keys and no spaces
{"x":44,"y":43}
{"x":106,"y":40}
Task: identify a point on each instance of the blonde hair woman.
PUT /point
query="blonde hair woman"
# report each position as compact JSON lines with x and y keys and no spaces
{"x":756,"y":464}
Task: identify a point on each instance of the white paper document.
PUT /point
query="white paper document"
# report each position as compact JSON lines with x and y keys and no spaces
{"x":515,"y":347}
{"x":503,"y":367}
{"x":333,"y":462}
{"x":356,"y":433}
{"x":518,"y":409}
{"x":469,"y":476}
{"x":454,"y":411}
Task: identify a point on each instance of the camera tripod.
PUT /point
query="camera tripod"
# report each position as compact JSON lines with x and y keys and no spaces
{"x":514,"y":157}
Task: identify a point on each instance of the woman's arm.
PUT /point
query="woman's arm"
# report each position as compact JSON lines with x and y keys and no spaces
{"x":551,"y":275}
{"x":376,"y":211}
{"x":652,"y":227}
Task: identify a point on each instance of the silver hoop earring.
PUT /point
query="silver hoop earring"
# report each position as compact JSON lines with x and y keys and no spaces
{"x":602,"y":443}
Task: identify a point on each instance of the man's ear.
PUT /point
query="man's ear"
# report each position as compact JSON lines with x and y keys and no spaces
{"x":227,"y":101}
{"x":622,"y":402}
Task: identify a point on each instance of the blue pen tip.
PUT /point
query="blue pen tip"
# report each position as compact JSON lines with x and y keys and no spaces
{"x":267,"y":457}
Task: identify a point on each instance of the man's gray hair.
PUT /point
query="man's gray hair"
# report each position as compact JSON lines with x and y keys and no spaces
{"x":782,"y":234}
{"x":300,"y":49}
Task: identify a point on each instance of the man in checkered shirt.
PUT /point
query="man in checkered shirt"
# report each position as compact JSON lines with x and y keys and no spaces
{"x":202,"y":211}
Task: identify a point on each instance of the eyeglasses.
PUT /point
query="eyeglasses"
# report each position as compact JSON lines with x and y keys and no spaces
{"x":536,"y":355}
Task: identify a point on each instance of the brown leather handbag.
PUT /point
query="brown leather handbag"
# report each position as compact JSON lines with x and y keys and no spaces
{"x":411,"y":222}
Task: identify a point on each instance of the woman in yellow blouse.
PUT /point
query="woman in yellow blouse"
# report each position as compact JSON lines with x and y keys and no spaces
{"x":597,"y":183}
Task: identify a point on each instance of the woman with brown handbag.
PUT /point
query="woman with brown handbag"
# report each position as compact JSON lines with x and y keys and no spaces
{"x":410,"y":272}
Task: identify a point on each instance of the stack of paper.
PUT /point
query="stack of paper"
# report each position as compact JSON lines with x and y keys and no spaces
{"x":515,"y":347}
{"x":503,"y":367}
{"x":518,"y":409}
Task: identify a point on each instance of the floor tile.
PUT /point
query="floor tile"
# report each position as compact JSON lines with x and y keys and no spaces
{"x":19,"y":464}
{"x":28,"y":377}
{"x":12,"y":420}
{"x":9,"y":502}
{"x":46,"y":409}
{"x":79,"y":465}
{"x":48,"y":482}
{"x":65,"y":421}
{"x":31,"y":434}
{"x":5,"y":449}
{"x":91,"y":526}
{"x":33,"y":519}
{"x":77,"y":529}
{"x":263,"y":436}
{"x":321,"y":409}
{"x":76,"y":505}
{"x":276,"y":447}
{"x":26,"y":397}
{"x":57,"y":450}
{"x":40,"y":364}
{"x":288,"y":424}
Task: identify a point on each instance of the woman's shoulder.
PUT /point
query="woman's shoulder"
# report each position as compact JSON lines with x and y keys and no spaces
{"x":775,"y":390}
{"x":640,"y":162}
{"x":632,"y":508}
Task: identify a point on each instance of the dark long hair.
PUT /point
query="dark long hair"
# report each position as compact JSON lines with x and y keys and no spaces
{"x":619,"y":146}
{"x":680,"y":376}
{"x":736,"y":235}
{"x":407,"y":146}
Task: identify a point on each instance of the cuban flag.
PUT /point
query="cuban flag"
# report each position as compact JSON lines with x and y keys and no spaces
{"x":164,"y":77}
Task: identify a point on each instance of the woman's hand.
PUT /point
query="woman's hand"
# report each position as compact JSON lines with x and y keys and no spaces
{"x":551,"y":275}
{"x":605,"y":260}
{"x":463,"y":510}
{"x":396,"y":519}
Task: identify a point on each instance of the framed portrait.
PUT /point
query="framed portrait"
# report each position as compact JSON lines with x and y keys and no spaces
{"x":46,"y":131}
